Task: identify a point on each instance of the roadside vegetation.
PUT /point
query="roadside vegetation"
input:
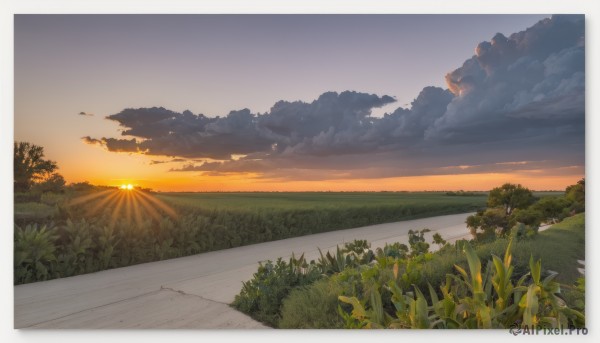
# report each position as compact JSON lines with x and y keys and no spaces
{"x":505,"y":277}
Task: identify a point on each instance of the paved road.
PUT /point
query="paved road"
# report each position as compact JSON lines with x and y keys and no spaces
{"x":188,"y":292}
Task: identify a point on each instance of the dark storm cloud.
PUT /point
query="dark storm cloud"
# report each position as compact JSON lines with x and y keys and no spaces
{"x":173,"y":160}
{"x":518,"y":85}
{"x":341,"y":167}
{"x":519,"y":97}
{"x":328,"y":125}
{"x":113,"y":144}
{"x":234,"y":166}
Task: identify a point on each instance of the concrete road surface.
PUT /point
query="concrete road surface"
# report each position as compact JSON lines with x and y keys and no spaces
{"x":193,"y":291}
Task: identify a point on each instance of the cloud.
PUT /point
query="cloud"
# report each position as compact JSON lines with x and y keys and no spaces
{"x":113,"y":144}
{"x":518,"y":85}
{"x":519,"y":98}
{"x":85,"y":114}
{"x":325,"y":126}
{"x":173,"y":160}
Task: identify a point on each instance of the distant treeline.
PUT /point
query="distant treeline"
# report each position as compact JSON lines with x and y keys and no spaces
{"x":463,"y":193}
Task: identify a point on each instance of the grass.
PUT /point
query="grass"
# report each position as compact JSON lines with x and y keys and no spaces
{"x":33,"y":210}
{"x":312,"y":200}
{"x":559,"y":248}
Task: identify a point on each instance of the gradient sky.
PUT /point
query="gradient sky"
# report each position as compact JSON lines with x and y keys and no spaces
{"x":213,"y":64}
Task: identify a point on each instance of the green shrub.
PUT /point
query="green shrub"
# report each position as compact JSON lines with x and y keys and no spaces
{"x":313,"y":307}
{"x":35,"y":257}
{"x":262,"y":296}
{"x":317,"y":306}
{"x":353,"y":254}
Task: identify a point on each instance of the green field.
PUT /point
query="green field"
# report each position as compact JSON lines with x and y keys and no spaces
{"x":109,"y":231}
{"x":313,"y":200}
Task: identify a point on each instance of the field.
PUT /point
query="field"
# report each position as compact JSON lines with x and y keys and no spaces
{"x":314,"y":200}
{"x":79,"y":232}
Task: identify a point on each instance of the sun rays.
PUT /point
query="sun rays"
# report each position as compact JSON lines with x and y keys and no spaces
{"x":126,"y":202}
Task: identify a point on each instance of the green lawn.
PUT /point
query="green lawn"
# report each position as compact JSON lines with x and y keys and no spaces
{"x":559,"y":247}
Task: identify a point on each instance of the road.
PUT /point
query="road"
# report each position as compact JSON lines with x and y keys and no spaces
{"x":190,"y":292}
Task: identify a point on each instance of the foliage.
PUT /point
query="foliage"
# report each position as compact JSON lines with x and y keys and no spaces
{"x":475,"y":298}
{"x":439,"y":240}
{"x":53,"y":183}
{"x":560,"y":246}
{"x":484,"y":225}
{"x":34,"y":253}
{"x":522,"y":231}
{"x":510,"y":197}
{"x":417,"y":243}
{"x":261,"y":297}
{"x":576,"y":195}
{"x":314,"y":306}
{"x":530,"y":216}
{"x":353,"y":254}
{"x":552,"y":208}
{"x":394,"y":250}
{"x":510,"y":205}
{"x":30,"y":165}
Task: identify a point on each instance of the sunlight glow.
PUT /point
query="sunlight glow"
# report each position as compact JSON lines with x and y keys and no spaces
{"x":131,"y":206}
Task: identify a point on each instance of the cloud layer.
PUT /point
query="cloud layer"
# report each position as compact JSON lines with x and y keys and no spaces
{"x":519,"y":98}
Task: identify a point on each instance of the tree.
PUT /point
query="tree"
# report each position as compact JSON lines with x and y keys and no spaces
{"x":54,"y":183}
{"x":576,"y":195}
{"x":510,"y":196}
{"x":531,"y":216}
{"x":551,"y":208}
{"x":486,"y":224}
{"x":30,"y":165}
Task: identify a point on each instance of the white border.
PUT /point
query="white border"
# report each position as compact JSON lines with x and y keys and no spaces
{"x":8,"y":8}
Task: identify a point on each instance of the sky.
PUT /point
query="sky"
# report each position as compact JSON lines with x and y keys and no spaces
{"x":304,"y":102}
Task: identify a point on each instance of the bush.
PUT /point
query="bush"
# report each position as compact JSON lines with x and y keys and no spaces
{"x":34,"y":253}
{"x":313,"y":307}
{"x":262,"y":296}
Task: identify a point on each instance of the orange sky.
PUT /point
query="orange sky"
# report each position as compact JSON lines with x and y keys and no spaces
{"x":101,"y":167}
{"x":194,"y":182}
{"x":469,"y":182}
